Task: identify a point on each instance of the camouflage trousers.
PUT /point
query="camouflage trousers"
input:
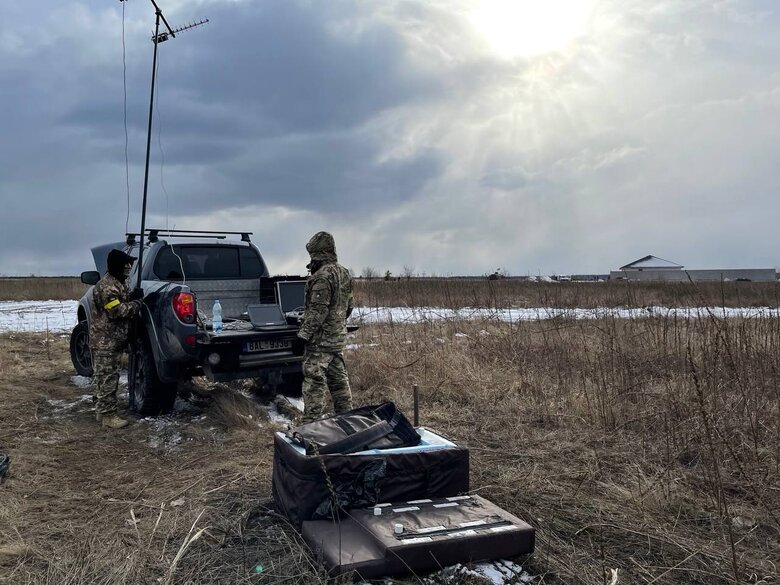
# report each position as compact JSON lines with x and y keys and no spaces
{"x":322,"y":372}
{"x":107,"y":367}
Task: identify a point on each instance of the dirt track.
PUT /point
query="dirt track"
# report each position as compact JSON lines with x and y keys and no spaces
{"x":82,"y":504}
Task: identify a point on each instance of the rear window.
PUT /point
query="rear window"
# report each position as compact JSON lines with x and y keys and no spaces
{"x":207,"y":262}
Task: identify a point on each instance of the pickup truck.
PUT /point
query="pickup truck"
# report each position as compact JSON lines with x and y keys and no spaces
{"x":173,"y":339}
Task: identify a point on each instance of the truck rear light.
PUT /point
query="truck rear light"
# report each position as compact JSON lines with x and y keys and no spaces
{"x":191,"y":340}
{"x":184,"y":307}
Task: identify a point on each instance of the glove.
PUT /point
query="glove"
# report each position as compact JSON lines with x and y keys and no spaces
{"x":303,"y":336}
{"x":136,"y":294}
{"x":138,"y":304}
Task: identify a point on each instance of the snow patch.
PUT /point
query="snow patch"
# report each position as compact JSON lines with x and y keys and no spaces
{"x":354,"y":346}
{"x":296,"y":402}
{"x":501,"y":572}
{"x":60,"y":316}
{"x":37,"y":316}
{"x":81,"y":381}
{"x":164,"y":434}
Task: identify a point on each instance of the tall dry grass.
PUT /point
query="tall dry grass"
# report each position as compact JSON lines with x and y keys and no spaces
{"x":37,"y":288}
{"x":457,"y":293}
{"x":650,"y":446}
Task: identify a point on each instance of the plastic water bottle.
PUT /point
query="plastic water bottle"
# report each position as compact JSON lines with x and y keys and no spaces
{"x":216,"y":317}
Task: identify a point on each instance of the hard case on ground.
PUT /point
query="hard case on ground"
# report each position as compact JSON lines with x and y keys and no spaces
{"x":434,"y":469}
{"x":417,"y":536}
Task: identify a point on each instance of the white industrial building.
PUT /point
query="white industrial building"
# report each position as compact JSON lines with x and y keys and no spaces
{"x":653,"y":268}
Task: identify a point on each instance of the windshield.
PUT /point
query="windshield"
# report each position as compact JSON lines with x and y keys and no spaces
{"x":203,"y":262}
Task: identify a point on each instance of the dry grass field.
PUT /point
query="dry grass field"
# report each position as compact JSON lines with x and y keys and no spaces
{"x":647,"y":449}
{"x":506,"y":293}
{"x":480,"y":292}
{"x":56,"y":288}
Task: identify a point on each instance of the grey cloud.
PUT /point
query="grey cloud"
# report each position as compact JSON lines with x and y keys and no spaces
{"x":385,"y":123}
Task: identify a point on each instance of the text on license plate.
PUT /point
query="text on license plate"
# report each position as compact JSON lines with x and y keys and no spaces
{"x":267,"y":344}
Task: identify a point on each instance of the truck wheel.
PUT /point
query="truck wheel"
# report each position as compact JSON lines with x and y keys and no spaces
{"x":148,"y":394}
{"x":80,"y":354}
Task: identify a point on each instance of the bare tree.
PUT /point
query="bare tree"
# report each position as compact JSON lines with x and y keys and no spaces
{"x":369,"y":272}
{"x":408,"y":271}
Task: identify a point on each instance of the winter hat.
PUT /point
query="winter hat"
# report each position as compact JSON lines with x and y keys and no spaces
{"x":117,"y":260}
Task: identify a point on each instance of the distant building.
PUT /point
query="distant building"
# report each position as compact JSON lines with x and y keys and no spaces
{"x":650,"y":263}
{"x":653,"y":268}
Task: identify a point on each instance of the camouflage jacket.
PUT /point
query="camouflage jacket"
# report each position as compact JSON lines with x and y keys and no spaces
{"x":328,"y":304}
{"x":112,"y":313}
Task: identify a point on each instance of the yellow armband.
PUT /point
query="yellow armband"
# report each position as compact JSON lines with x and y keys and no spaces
{"x":111,"y":304}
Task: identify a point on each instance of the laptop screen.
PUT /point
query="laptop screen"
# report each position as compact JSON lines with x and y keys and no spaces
{"x":264,"y":315}
{"x":291,"y":294}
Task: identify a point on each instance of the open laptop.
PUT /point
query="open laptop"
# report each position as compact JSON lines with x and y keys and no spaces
{"x":267,"y":316}
{"x":291,"y":295}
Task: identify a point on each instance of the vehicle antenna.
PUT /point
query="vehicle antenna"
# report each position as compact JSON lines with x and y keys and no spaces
{"x":157,"y":38}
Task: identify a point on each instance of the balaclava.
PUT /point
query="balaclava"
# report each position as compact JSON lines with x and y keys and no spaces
{"x":117,"y":260}
{"x":322,"y":250}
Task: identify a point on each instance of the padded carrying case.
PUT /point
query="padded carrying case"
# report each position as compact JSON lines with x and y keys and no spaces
{"x":302,"y":492}
{"x":368,"y":427}
{"x":401,"y":538}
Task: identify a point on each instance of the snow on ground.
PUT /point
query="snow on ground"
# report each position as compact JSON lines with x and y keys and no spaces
{"x":273,"y":410}
{"x":81,"y":381}
{"x":32,"y":316}
{"x":501,"y":572}
{"x":422,"y":314}
{"x":494,"y":572}
{"x":63,"y":406}
{"x":59,"y":316}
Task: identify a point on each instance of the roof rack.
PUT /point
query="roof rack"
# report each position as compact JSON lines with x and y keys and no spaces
{"x":153,"y":235}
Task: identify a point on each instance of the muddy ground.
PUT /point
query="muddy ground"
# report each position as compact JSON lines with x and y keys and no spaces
{"x":183,"y":498}
{"x":83,"y":504}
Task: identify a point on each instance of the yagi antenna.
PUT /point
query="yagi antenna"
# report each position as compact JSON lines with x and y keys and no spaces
{"x":164,"y":36}
{"x":157,"y":38}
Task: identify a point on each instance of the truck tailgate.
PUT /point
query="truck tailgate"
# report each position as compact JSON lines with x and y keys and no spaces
{"x":235,"y":354}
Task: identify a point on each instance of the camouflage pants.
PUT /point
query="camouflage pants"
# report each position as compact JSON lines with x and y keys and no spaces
{"x":323,"y":372}
{"x":107,"y":367}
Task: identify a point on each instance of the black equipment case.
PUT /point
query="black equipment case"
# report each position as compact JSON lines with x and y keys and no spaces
{"x":402,"y":538}
{"x":302,"y":491}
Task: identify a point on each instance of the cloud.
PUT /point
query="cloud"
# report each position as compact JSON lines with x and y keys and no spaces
{"x":396,"y":126}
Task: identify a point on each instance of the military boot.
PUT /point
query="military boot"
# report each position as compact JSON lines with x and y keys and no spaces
{"x":113,"y":421}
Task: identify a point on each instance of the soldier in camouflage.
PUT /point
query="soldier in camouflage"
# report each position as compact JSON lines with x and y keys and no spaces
{"x":324,"y":329}
{"x":109,"y":327}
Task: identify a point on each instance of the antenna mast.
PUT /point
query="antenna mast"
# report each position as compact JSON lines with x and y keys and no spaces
{"x":159,"y":37}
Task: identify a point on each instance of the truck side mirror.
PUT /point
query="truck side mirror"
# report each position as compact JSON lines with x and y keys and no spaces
{"x":90,"y":277}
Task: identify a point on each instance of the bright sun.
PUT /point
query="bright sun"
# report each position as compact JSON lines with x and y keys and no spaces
{"x":525,"y":28}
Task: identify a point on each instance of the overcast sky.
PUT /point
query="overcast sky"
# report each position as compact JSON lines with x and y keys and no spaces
{"x":451,"y":136}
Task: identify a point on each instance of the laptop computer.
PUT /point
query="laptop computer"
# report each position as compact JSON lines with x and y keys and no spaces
{"x":291,"y":295}
{"x":267,"y":316}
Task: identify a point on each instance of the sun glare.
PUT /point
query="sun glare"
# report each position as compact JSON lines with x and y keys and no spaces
{"x":525,"y":28}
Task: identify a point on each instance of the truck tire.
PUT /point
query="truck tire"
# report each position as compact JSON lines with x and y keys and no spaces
{"x":80,"y":354}
{"x":149,"y":396}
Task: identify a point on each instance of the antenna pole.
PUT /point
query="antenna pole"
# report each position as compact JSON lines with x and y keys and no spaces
{"x":148,"y":146}
{"x":156,"y":39}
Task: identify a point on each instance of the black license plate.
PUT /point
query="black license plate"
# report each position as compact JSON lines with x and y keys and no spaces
{"x":267,"y":345}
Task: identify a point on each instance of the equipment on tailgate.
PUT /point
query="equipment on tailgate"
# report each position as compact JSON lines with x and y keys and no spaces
{"x":417,"y":535}
{"x":368,"y":427}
